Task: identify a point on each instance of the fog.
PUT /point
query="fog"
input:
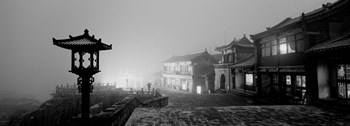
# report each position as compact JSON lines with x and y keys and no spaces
{"x":143,"y":34}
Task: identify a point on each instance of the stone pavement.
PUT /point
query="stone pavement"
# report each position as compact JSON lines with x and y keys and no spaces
{"x":281,"y":115}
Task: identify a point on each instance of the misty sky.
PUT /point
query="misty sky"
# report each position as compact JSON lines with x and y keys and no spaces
{"x":143,"y":33}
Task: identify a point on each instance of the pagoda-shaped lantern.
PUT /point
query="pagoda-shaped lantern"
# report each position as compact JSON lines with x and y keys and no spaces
{"x":85,"y":63}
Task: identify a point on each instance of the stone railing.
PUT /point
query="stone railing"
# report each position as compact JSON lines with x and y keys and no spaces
{"x":116,"y":115}
{"x":156,"y":102}
{"x":159,"y":100}
{"x":119,"y":113}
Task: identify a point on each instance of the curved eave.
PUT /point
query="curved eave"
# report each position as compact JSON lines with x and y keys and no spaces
{"x":272,"y":31}
{"x":222,"y":48}
{"x":326,"y":13}
{"x":231,"y":46}
{"x":246,"y":46}
{"x":325,"y":49}
{"x":93,"y":45}
{"x":310,"y":17}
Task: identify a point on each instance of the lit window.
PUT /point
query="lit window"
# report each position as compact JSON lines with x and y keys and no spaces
{"x":268,"y":49}
{"x":288,"y":80}
{"x":183,"y":84}
{"x":300,"y":89}
{"x":342,"y":90}
{"x":291,"y":43}
{"x":283,"y":48}
{"x":303,"y":80}
{"x":249,"y":79}
{"x":274,"y":47}
{"x":300,"y":80}
{"x":283,"y":45}
{"x":262,"y":50}
{"x":199,"y":89}
{"x":291,"y":47}
{"x":343,"y":81}
{"x":341,"y":72}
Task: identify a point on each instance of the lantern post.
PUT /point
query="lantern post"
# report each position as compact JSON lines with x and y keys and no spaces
{"x":84,"y":63}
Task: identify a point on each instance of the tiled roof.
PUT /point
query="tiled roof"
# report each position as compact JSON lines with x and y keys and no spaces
{"x":336,"y":43}
{"x":83,"y":42}
{"x":192,"y":57}
{"x":247,"y":62}
{"x":242,"y":42}
{"x":317,"y":14}
{"x":217,"y":57}
{"x":286,"y":22}
{"x":180,"y":58}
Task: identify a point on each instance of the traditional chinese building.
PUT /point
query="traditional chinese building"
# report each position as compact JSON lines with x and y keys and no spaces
{"x":328,"y":53}
{"x":191,"y":73}
{"x":225,"y":74}
{"x":300,"y":56}
{"x":243,"y":74}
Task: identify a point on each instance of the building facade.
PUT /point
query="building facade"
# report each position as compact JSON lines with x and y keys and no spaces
{"x":235,"y":52}
{"x":287,"y":69}
{"x":244,"y":75}
{"x":192,"y":73}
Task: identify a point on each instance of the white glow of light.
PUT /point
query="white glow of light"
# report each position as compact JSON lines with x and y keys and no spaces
{"x":283,"y":48}
{"x":199,"y":89}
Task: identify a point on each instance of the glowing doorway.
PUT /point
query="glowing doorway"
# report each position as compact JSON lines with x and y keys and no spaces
{"x":199,"y":89}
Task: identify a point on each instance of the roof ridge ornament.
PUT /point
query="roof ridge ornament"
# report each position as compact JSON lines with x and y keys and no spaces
{"x":302,"y":16}
{"x":86,"y":32}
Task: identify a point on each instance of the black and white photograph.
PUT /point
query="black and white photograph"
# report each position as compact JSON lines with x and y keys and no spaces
{"x":174,"y":62}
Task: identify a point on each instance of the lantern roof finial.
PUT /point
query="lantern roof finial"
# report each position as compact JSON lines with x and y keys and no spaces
{"x":86,"y":32}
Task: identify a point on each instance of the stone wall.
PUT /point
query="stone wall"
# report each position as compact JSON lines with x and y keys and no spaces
{"x":156,"y":102}
{"x":59,"y":111}
{"x":116,"y":115}
{"x":119,"y":113}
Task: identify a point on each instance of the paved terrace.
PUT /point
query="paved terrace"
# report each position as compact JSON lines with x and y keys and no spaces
{"x":282,"y":115}
{"x":228,"y":109}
